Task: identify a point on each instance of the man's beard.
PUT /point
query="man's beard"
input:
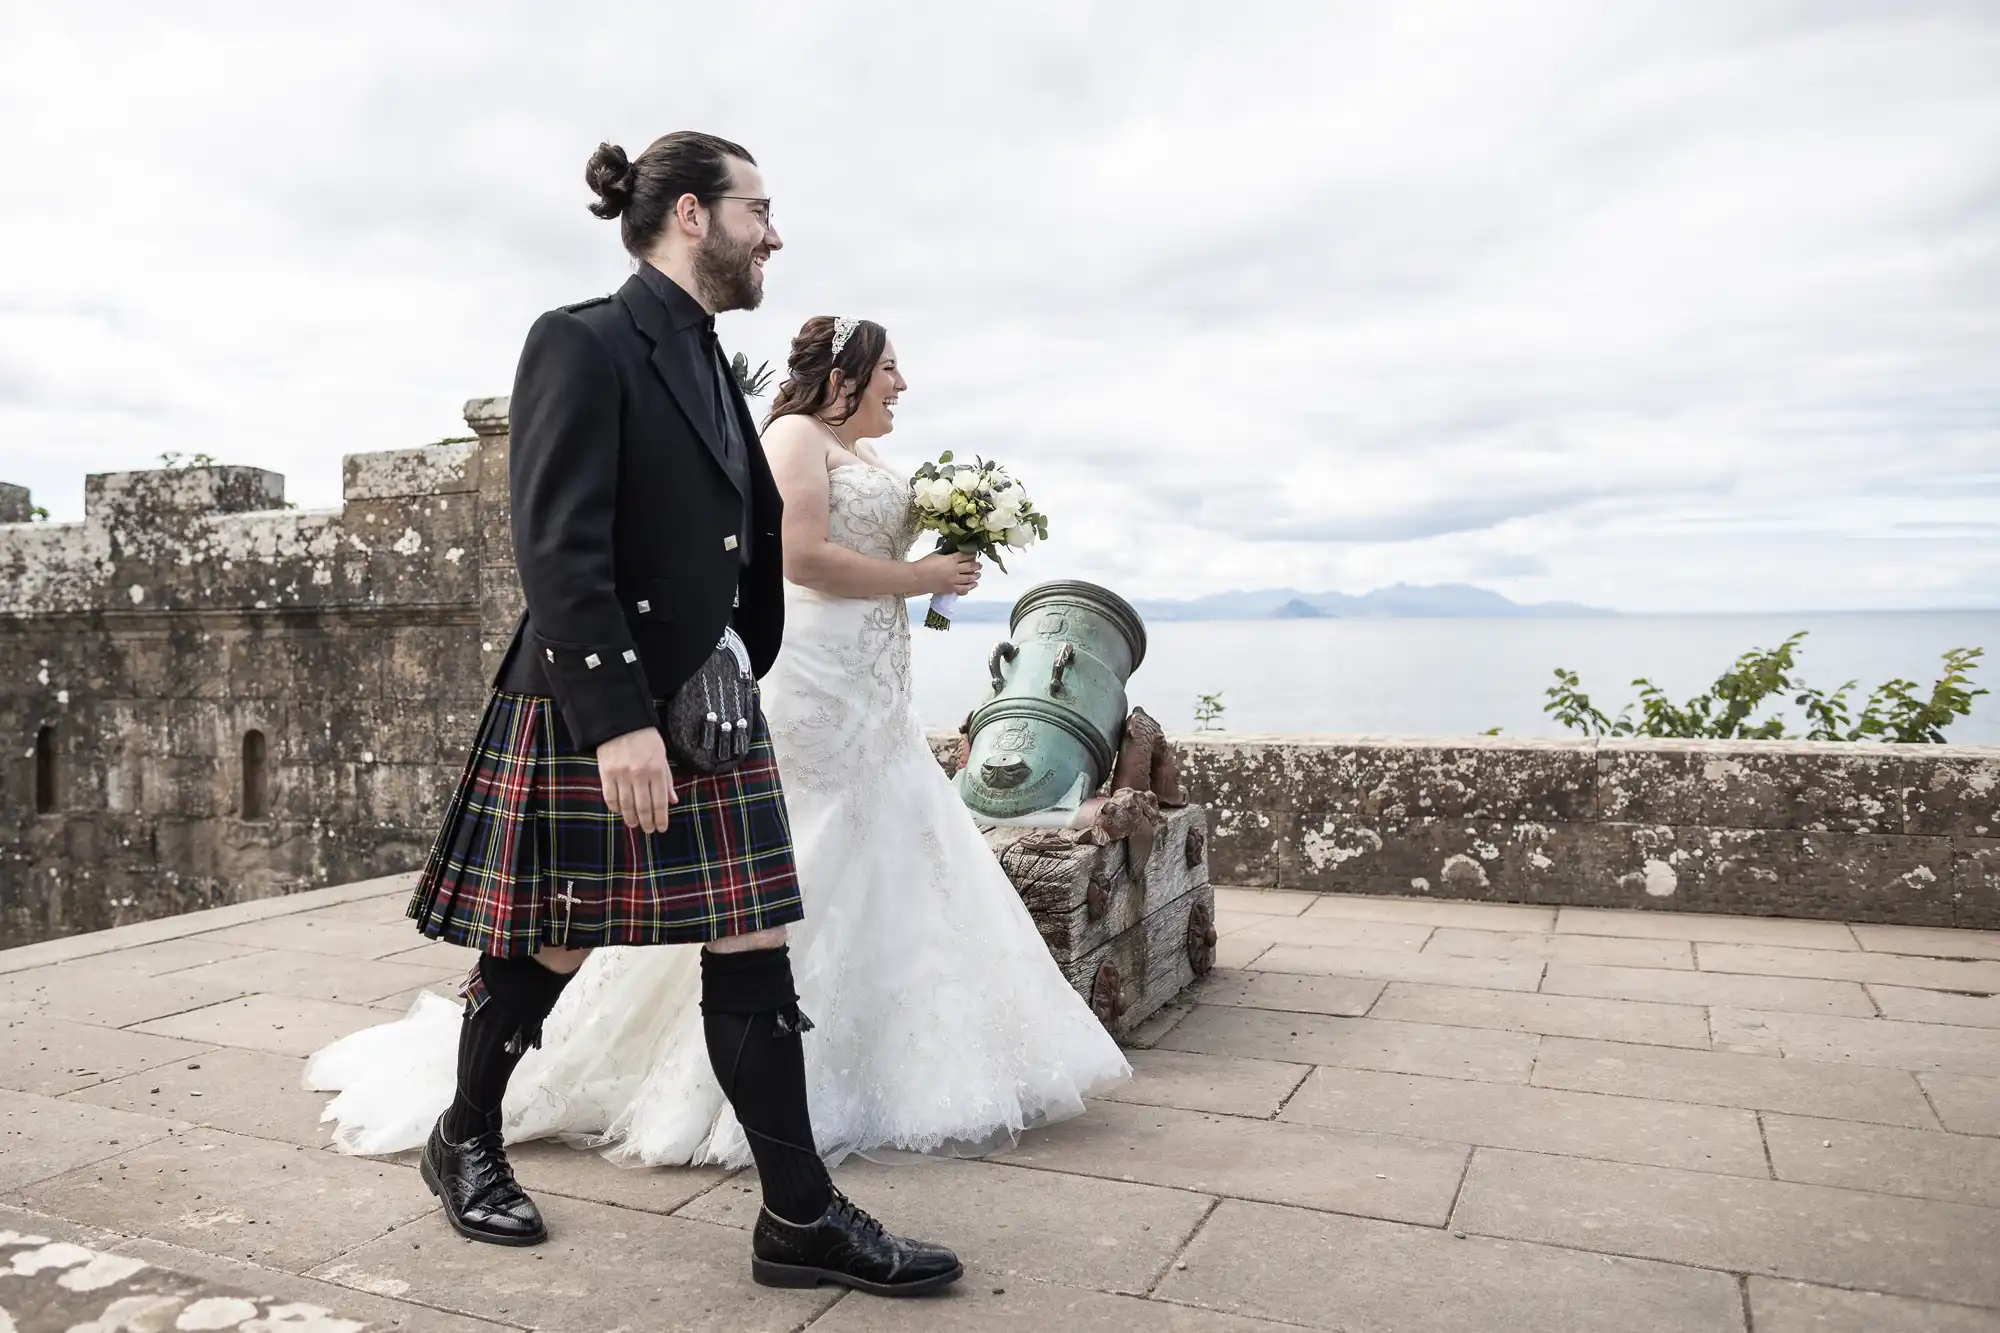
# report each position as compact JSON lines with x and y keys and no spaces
{"x":727,"y":274}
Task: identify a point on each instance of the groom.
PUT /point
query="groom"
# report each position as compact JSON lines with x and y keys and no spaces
{"x":646,"y":528}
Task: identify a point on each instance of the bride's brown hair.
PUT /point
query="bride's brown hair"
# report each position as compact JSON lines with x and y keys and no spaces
{"x":812,"y":363}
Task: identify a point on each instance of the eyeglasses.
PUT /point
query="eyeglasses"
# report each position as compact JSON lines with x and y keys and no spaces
{"x":759,"y":208}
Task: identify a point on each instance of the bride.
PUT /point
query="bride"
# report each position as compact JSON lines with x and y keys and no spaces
{"x":940,"y":1023}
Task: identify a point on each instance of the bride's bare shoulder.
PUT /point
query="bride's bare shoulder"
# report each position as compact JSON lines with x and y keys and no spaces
{"x":794,"y":438}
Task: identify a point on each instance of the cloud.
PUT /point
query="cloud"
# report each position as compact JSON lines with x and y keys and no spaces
{"x":1651,"y":305}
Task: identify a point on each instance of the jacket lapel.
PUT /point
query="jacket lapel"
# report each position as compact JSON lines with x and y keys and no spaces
{"x":678,"y":371}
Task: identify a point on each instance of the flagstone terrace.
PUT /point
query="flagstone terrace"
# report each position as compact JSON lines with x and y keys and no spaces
{"x":1376,"y":1114}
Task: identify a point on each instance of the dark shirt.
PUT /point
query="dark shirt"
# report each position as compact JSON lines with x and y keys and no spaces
{"x":697,"y":327}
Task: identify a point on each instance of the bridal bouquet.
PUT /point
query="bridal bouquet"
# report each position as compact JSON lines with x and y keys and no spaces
{"x":976,"y":509}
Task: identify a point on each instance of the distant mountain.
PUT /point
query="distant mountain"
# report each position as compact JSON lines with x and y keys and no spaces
{"x":1402,"y":601}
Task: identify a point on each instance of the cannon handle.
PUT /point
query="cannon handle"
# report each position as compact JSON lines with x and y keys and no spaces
{"x":1065,"y":659}
{"x":1002,"y":652}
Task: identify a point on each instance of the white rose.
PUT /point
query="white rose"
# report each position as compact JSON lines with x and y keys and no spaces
{"x":1021,"y":537}
{"x":934,"y":494}
{"x":999,"y":522}
{"x":967,"y":480}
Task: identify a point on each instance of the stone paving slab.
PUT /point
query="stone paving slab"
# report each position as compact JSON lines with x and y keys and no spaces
{"x":602,"y":1268}
{"x":1357,"y":1043}
{"x":254,"y":1093}
{"x":1965,"y":1105}
{"x":1271,"y":902}
{"x":1430,"y":912}
{"x":1665,"y":986}
{"x":1353,"y":1093}
{"x":1919,"y":1163}
{"x":1721,"y":1078}
{"x":1906,"y":1247}
{"x":1520,"y":947}
{"x":71,"y":948}
{"x":41,"y":1137}
{"x":295,"y":1297}
{"x":1387,"y":965}
{"x":1010,"y":1223}
{"x":53,"y":1056}
{"x":1344,"y":996}
{"x":1881,"y":1042}
{"x":552,"y":1168}
{"x":1365,"y":1174}
{"x":313,"y":976}
{"x":1223,"y":1085}
{"x":1798,"y":1307}
{"x":112,"y":1001}
{"x":323,"y":935}
{"x":1551,"y":1015}
{"x":1888,"y":968}
{"x":50,"y":1285}
{"x":1704,"y":928}
{"x":1930,"y":1006}
{"x":1577,"y":1124}
{"x":1334,"y":933}
{"x":274,"y":1204}
{"x":1347,"y":1273}
{"x":1030,"y":1307}
{"x":1930,"y":941}
{"x":1239,"y":953}
{"x":282,"y":1024}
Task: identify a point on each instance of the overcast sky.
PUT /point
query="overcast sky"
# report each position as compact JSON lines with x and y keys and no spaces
{"x":1678,"y":307}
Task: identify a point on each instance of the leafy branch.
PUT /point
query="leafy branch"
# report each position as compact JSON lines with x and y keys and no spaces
{"x":178,"y":460}
{"x":753,"y":384}
{"x":1896,"y":711}
{"x":1208,"y":711}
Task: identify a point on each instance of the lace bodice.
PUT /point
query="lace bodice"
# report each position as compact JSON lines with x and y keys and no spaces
{"x":839,"y":698}
{"x":868,"y":510}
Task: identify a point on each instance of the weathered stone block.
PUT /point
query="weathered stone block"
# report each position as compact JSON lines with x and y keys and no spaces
{"x":1517,"y":861}
{"x":1976,"y":882}
{"x":1753,"y":784}
{"x":1955,"y":789}
{"x":1867,"y":877}
{"x":310,"y":659}
{"x":148,"y":496}
{"x":1374,"y":779}
{"x":424,"y":661}
{"x":1245,"y":845}
{"x":17,"y":505}
{"x":437,"y":469}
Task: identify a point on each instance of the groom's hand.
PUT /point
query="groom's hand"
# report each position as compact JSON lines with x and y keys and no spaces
{"x":638,"y":786}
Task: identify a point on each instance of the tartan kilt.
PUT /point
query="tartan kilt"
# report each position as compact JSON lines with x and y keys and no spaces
{"x":530,"y":857}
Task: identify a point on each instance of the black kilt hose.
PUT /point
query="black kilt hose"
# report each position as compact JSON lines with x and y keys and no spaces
{"x":645,"y":521}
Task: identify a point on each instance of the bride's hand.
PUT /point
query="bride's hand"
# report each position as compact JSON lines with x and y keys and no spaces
{"x":948,"y":572}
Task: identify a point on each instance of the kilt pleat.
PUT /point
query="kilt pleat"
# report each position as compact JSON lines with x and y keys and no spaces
{"x":529,"y":857}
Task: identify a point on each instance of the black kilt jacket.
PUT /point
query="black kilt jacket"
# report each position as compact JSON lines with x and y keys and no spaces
{"x":625,"y":520}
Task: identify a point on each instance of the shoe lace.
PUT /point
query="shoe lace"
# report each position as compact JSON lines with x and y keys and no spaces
{"x":858,"y":1218}
{"x":495,"y":1185}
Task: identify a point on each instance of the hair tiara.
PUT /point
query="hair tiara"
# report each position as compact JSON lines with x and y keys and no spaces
{"x":843,"y":329}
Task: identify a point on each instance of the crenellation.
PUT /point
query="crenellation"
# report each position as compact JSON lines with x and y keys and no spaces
{"x":17,"y":504}
{"x":191,"y":607}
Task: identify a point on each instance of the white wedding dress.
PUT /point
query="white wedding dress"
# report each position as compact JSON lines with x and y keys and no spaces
{"x":941,"y":1023}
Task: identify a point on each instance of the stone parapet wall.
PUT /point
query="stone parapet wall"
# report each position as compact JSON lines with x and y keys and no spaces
{"x":219,"y":697}
{"x":1893,"y":833}
{"x":192,"y":613}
